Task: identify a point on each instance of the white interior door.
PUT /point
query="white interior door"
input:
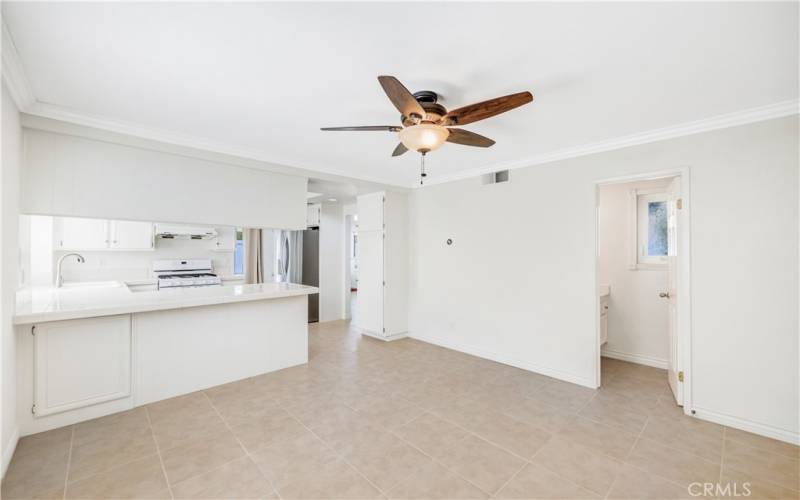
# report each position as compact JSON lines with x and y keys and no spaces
{"x":370,"y":283}
{"x":675,"y":368}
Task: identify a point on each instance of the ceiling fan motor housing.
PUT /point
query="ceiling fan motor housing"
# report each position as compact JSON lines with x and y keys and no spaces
{"x":433,"y":110}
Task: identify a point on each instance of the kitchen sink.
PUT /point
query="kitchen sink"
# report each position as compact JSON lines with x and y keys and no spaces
{"x":80,"y":285}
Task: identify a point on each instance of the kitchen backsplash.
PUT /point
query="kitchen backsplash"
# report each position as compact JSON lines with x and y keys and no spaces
{"x":39,"y":255}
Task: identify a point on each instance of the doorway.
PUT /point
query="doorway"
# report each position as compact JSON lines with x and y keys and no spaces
{"x":642,"y":276}
{"x":351,"y":264}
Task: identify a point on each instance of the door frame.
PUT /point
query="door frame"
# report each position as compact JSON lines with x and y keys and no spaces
{"x":684,"y":323}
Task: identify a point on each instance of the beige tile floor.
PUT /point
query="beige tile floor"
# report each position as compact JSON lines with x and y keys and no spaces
{"x":367,"y":419}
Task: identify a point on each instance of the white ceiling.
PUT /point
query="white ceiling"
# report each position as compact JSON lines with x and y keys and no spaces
{"x":263,"y":77}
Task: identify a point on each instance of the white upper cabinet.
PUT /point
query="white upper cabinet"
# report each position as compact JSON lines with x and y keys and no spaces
{"x":81,"y":234}
{"x":313,"y":214}
{"x":226,"y":239}
{"x":99,"y":234}
{"x":127,"y":235}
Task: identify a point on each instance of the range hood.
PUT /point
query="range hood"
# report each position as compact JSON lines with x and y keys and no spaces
{"x":179,"y":232}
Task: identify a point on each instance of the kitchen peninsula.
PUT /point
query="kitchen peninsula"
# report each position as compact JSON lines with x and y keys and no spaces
{"x":99,"y":348}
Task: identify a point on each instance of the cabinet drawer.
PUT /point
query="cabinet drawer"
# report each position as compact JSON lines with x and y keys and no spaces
{"x":82,"y":362}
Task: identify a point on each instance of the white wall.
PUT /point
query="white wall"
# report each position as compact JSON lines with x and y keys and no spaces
{"x":331,"y":262}
{"x":9,"y":270}
{"x":78,"y":176}
{"x":518,"y":283}
{"x":637,"y":317}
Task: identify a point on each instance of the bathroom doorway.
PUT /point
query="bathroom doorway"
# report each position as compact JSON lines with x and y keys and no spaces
{"x":642,"y":279}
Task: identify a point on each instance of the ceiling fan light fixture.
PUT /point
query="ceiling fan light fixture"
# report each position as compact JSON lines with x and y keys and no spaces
{"x":424,"y":137}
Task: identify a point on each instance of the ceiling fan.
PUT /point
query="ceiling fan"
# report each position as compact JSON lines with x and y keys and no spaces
{"x":426,"y":124}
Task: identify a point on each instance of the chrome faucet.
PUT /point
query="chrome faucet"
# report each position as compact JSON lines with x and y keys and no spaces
{"x":59,"y":278}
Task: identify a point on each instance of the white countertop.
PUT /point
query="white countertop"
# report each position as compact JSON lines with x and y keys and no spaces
{"x":36,"y":305}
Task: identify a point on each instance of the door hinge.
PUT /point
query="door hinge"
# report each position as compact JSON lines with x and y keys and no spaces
{"x":679,"y":203}
{"x":33,"y":409}
{"x":680,"y":376}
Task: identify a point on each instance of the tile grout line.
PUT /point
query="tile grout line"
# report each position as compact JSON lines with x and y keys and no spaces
{"x":442,"y":464}
{"x":515,"y":474}
{"x":241,"y":445}
{"x":69,"y":461}
{"x":158,"y":452}
{"x":341,"y":456}
{"x":525,"y":461}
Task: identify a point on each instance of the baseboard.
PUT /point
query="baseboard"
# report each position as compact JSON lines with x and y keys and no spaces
{"x":748,"y":425}
{"x":388,"y":338}
{"x":8,"y":451}
{"x":635,"y":358}
{"x":507,"y":360}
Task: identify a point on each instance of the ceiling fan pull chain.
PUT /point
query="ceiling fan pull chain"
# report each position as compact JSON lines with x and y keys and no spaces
{"x":422,"y":173}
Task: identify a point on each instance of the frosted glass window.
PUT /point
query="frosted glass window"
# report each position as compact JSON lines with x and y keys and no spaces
{"x":651,"y":211}
{"x":657,"y":228}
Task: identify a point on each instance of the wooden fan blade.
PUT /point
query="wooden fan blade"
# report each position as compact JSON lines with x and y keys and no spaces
{"x":467,"y":138}
{"x":387,"y":128}
{"x":486,"y":109}
{"x":400,"y":96}
{"x":400,"y":149}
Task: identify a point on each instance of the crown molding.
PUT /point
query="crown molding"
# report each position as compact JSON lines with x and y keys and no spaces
{"x":63,"y":114}
{"x":21,"y":92}
{"x":752,"y":115}
{"x":743,"y":117}
{"x":14,"y":74}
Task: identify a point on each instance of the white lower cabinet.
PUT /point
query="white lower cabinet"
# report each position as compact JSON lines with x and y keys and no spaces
{"x":78,"y":363}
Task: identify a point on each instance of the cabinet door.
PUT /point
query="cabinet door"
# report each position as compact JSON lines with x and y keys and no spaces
{"x":313,"y":214}
{"x":126,"y":235}
{"x":370,"y":282}
{"x":81,"y":234}
{"x":370,"y":212}
{"x":226,"y":239}
{"x":81,"y":362}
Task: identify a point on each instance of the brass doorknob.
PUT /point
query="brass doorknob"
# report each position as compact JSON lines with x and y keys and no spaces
{"x":664,"y":295}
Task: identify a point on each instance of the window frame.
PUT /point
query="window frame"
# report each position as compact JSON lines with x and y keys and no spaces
{"x":236,"y":231}
{"x":638,"y":229}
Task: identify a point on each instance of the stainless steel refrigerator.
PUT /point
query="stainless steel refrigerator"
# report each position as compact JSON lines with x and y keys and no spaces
{"x":298,"y":262}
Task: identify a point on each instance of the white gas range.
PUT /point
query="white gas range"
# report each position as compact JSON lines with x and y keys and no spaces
{"x":185,"y":273}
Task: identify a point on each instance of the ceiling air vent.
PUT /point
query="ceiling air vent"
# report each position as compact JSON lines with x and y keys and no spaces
{"x":496,"y":177}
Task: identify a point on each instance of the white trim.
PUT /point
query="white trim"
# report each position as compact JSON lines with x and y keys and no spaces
{"x":387,"y":338}
{"x":63,"y":114}
{"x":14,"y":74}
{"x":736,"y":118}
{"x":21,"y":92}
{"x":684,"y":273}
{"x":9,"y":450}
{"x":748,"y":425}
{"x":634,"y":358}
{"x":637,"y":224}
{"x":743,"y":117}
{"x":506,"y":360}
